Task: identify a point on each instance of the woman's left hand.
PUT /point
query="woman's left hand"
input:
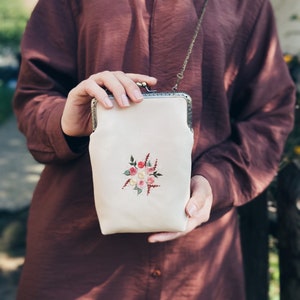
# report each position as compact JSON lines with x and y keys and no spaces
{"x":198,"y":210}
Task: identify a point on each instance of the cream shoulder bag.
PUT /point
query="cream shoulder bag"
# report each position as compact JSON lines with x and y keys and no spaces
{"x":141,"y":161}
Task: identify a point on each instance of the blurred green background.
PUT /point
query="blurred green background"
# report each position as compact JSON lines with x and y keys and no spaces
{"x":13,"y":17}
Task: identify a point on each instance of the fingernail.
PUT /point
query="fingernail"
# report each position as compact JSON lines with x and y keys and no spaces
{"x":138,"y":95}
{"x":125,"y":101}
{"x":151,"y":240}
{"x":192,"y":210}
{"x":107,"y":102}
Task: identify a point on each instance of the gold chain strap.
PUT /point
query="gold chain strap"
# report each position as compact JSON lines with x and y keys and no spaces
{"x":190,"y":49}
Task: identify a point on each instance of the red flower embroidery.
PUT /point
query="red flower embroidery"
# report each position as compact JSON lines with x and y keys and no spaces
{"x":141,"y":164}
{"x":142,"y":175}
{"x":132,"y":171}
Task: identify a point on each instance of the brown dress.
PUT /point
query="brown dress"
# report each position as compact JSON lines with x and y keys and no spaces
{"x":243,"y":101}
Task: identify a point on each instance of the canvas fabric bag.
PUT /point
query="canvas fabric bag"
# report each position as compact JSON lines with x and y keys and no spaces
{"x":141,"y":164}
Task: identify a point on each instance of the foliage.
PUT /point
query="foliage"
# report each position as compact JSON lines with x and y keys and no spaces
{"x":13,"y":18}
{"x":274,"y":274}
{"x":292,"y":148}
{"x":13,"y":231}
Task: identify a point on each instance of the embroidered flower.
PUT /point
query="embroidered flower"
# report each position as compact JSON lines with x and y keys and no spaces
{"x":150,"y":180}
{"x":141,"y":184}
{"x":132,"y":182}
{"x":150,"y":170}
{"x":132,"y":171}
{"x":141,"y":164}
{"x":142,"y":175}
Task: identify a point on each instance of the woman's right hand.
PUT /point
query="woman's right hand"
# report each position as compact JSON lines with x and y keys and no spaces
{"x":76,"y":118}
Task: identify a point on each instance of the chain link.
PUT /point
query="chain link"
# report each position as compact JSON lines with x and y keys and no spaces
{"x":180,"y":75}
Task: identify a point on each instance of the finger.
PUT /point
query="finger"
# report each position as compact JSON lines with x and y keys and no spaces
{"x":113,"y":84}
{"x":194,"y":206}
{"x":131,"y":88}
{"x":123,"y":85}
{"x":164,"y":236}
{"x":129,"y":80}
{"x":85,"y":91}
{"x":142,"y":78}
{"x":201,"y":196}
{"x":192,"y":223}
{"x":97,"y":92}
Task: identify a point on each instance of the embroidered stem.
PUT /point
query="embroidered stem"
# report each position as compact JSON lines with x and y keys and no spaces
{"x":151,"y":186}
{"x":155,"y":165}
{"x":126,"y":183}
{"x":146,"y":159}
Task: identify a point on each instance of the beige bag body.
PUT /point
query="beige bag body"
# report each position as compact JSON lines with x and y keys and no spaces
{"x":141,"y":164}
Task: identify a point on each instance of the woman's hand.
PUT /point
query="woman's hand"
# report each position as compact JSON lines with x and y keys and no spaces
{"x":198,"y":210}
{"x":76,"y":118}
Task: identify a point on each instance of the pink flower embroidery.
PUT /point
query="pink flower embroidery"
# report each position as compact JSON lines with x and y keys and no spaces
{"x":150,"y":180}
{"x":150,"y":170}
{"x":142,"y":175}
{"x":141,"y":184}
{"x":132,"y":171}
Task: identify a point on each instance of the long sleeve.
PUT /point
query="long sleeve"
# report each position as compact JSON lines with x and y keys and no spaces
{"x":48,"y":72}
{"x":262,"y":111}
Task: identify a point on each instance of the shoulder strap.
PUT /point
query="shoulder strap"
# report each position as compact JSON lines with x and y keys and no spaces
{"x":190,"y":49}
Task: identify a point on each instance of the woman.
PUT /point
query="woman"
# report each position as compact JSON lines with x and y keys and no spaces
{"x":243,"y":100}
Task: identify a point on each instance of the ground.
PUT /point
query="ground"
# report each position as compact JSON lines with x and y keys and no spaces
{"x":18,"y":176}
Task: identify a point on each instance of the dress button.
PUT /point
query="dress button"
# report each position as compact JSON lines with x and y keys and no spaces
{"x":156,"y":273}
